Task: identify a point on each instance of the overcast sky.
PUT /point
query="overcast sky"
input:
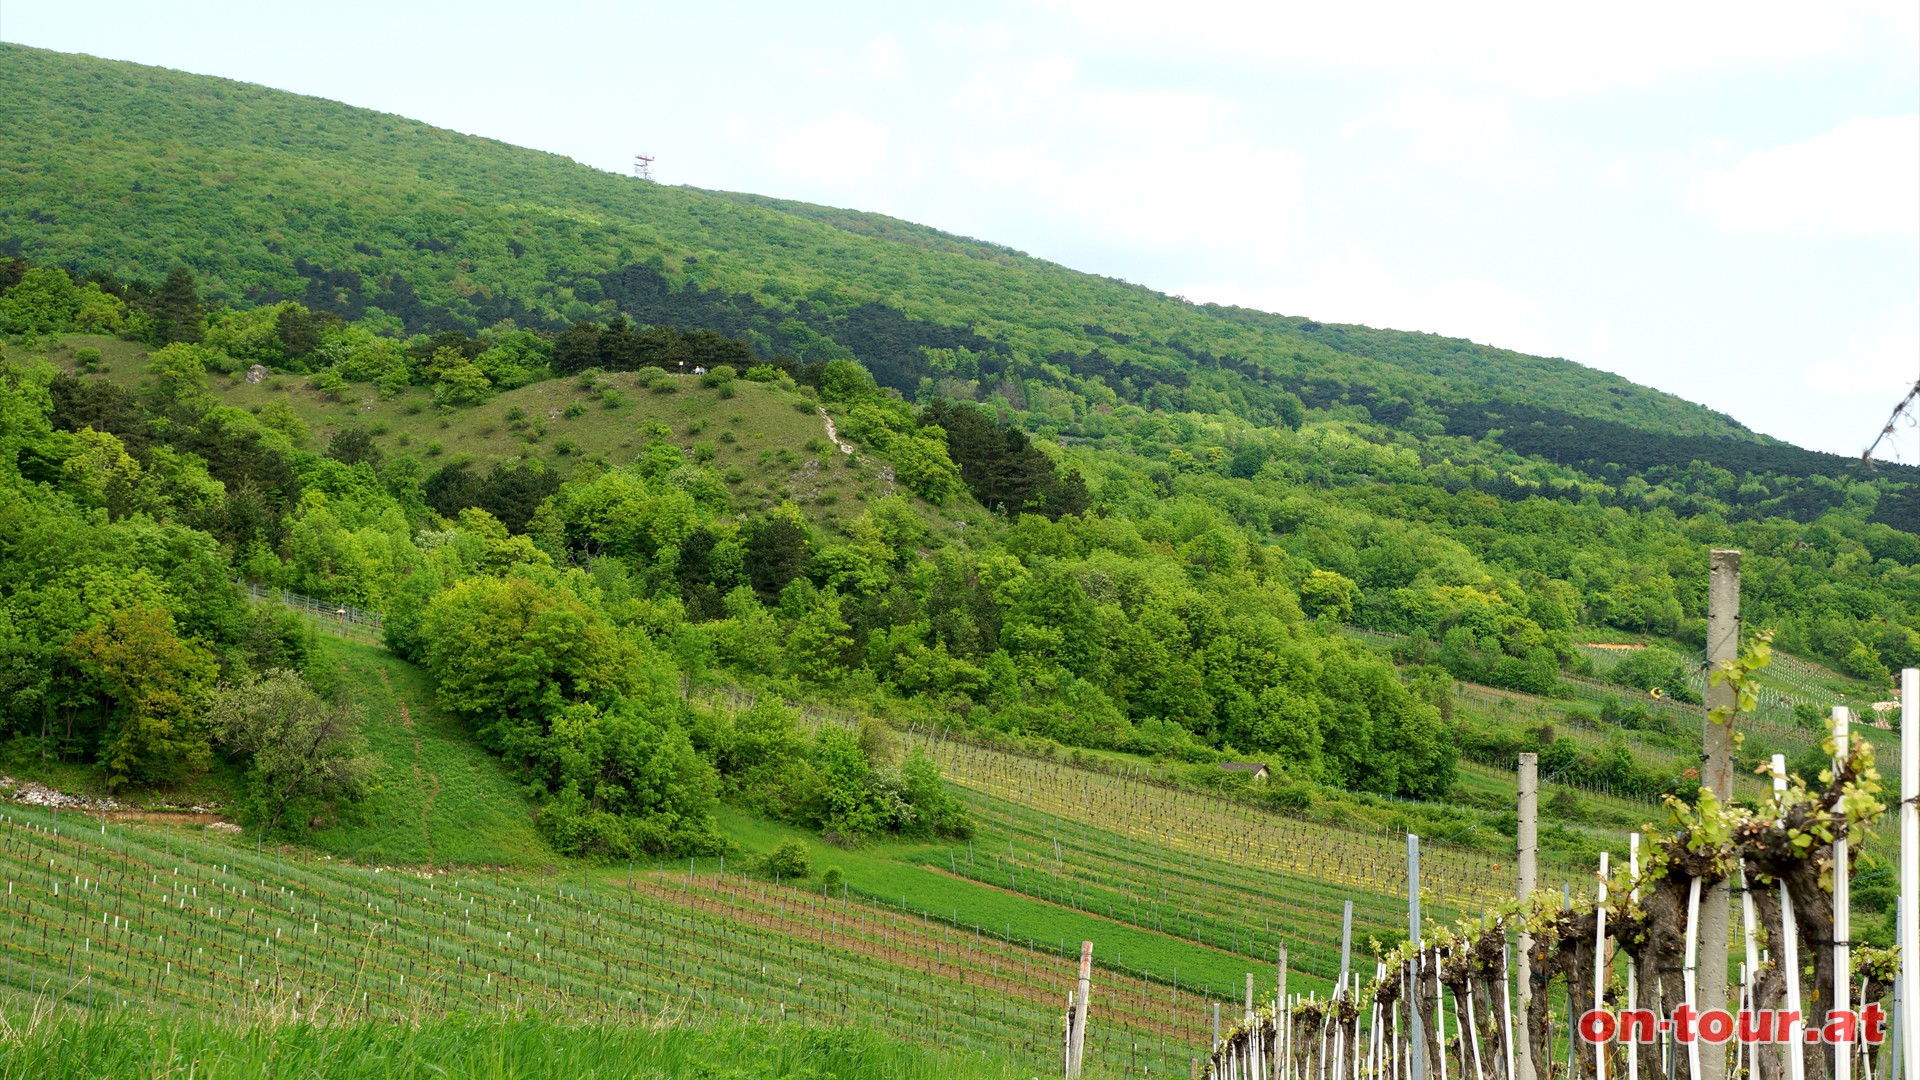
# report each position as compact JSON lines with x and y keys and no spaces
{"x":1718,"y":199}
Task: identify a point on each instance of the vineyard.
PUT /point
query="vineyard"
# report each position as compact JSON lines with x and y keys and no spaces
{"x":1635,"y":957}
{"x":104,"y":916}
{"x":1185,"y":892}
{"x":969,"y":945}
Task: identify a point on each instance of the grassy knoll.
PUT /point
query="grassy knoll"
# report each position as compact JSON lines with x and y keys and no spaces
{"x":767,"y":443}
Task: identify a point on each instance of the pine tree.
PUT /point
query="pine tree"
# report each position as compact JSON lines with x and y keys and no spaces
{"x":176,"y":309}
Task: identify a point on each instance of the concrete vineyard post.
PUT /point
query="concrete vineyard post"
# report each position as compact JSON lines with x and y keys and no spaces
{"x":1842,"y":919}
{"x":1789,"y":942}
{"x":1600,"y":959}
{"x":1340,"y":1048}
{"x":1909,"y":872}
{"x":1280,"y":1017}
{"x":1417,"y":1060}
{"x":1691,"y":974}
{"x":1528,"y":836}
{"x":1633,"y":980}
{"x":1716,"y":774}
{"x":1506,"y":1003}
{"x":1894,"y":1050}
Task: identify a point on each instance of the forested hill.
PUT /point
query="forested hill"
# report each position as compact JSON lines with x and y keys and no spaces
{"x":111,"y":166}
{"x":249,"y":335}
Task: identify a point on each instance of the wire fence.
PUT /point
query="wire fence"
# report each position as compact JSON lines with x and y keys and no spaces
{"x":340,"y":619}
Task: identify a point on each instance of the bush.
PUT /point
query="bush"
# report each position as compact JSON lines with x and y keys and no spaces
{"x":788,"y":859}
{"x":719,"y":375}
{"x":575,"y":410}
{"x":89,"y":358}
{"x":832,"y":881}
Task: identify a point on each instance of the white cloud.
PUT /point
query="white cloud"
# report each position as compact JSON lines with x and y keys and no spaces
{"x":1439,"y":127}
{"x":843,"y":147}
{"x":1235,"y":196}
{"x":1881,"y":356}
{"x":1542,"y":48}
{"x":1468,"y":136}
{"x":1359,"y":290}
{"x":1150,"y":169}
{"x":883,"y":58}
{"x":1860,"y":179}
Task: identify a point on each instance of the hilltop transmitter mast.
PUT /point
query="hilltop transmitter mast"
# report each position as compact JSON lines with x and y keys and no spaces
{"x":643,"y":166}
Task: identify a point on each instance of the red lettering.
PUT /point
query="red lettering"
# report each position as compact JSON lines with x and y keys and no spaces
{"x":1875,"y":1019}
{"x":1839,"y":1029}
{"x":1716,"y":1026}
{"x":1639,"y":1025}
{"x":1756,"y":1025}
{"x":1683,"y":1024}
{"x":1596,"y":1026}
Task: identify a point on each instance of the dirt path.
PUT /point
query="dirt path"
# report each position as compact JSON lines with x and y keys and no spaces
{"x":833,"y":433}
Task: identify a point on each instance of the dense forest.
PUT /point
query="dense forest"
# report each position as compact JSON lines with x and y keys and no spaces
{"x":1110,"y":519}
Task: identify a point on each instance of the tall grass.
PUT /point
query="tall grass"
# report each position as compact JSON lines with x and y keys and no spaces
{"x":47,"y":1043}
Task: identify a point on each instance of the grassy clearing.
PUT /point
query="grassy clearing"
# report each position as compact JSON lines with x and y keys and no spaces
{"x":438,"y":799}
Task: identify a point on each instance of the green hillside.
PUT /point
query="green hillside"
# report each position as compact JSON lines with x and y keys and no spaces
{"x":443,"y":230}
{"x":854,"y":606}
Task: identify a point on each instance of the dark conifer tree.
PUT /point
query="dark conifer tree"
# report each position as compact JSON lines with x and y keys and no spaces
{"x":176,"y":309}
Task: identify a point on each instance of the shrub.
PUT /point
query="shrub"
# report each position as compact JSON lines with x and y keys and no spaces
{"x":89,"y":358}
{"x":575,"y":410}
{"x":788,"y":859}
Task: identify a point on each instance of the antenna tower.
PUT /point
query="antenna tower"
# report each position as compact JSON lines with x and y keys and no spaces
{"x":643,"y":166}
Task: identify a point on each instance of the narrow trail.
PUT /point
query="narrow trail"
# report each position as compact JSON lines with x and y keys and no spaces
{"x":833,"y":433}
{"x":419,"y":774}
